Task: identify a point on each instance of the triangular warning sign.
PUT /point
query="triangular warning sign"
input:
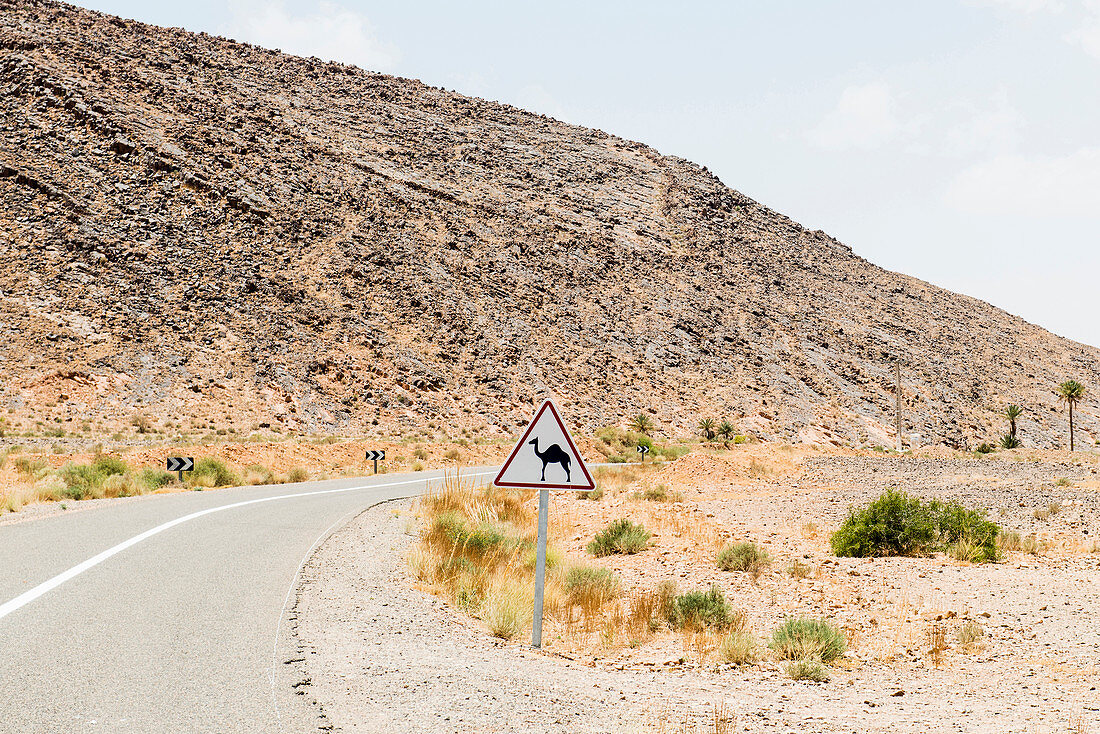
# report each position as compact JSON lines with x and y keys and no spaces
{"x":545,"y":457}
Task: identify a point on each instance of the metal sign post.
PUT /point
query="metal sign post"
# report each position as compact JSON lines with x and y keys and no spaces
{"x":540,"y":567}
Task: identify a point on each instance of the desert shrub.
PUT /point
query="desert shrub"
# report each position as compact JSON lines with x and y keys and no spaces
{"x":478,"y":540}
{"x":29,"y":468}
{"x":798,"y":639}
{"x":621,"y":536}
{"x":417,"y":466}
{"x":970,"y":636}
{"x":420,"y":454}
{"x":154,"y":479}
{"x":698,"y":609}
{"x":108,"y":465}
{"x":297,"y":474}
{"x":213,"y":472}
{"x":1008,"y":441}
{"x":590,"y":587}
{"x":591,"y":494}
{"x":452,"y":455}
{"x":122,"y":485}
{"x":505,"y":608}
{"x":656,"y":494}
{"x":743,"y":557}
{"x":1062,"y":482}
{"x":897,"y":524}
{"x":81,"y":481}
{"x":808,"y":669}
{"x":258,"y":474}
{"x":985,"y":448}
{"x":799,"y":570}
{"x":738,"y":647}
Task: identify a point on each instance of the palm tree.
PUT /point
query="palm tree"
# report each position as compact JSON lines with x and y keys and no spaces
{"x":1012,"y":412}
{"x":726,"y":431}
{"x":642,"y":424}
{"x":706,"y":427}
{"x":1070,"y":392}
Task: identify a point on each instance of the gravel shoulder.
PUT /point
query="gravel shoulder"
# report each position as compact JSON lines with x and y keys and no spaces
{"x":378,"y":654}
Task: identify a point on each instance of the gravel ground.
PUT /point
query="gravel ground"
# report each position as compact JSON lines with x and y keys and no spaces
{"x":379,"y":655}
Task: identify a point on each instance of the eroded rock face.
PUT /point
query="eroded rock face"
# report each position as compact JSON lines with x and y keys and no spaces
{"x":193,"y":227}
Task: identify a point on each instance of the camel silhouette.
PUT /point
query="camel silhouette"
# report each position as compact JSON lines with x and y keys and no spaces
{"x":552,"y":455}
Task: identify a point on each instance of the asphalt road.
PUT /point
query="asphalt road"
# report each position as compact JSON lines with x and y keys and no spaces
{"x":115,"y":619}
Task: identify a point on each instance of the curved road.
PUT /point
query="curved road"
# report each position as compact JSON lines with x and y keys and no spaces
{"x":164,"y":613}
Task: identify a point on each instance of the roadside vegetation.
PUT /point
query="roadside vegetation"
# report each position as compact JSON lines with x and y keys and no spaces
{"x":477,"y":546}
{"x":899,"y":524}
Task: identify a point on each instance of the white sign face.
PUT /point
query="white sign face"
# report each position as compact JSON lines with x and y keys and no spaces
{"x":545,"y":457}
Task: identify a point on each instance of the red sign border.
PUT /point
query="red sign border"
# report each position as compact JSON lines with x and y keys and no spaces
{"x":523,"y":441}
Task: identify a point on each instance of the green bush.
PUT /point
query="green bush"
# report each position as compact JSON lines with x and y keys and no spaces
{"x":81,"y":481}
{"x":477,"y":540}
{"x":156,"y":478}
{"x":700,"y":609}
{"x":621,"y":536}
{"x":214,"y":470}
{"x":743,"y":557}
{"x":808,"y":669}
{"x":897,"y":524}
{"x":985,"y":448}
{"x":799,"y":639}
{"x":108,"y":465}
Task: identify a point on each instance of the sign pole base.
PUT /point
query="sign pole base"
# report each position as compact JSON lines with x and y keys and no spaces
{"x":540,"y":568}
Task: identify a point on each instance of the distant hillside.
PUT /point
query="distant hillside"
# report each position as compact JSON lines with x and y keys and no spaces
{"x":199,"y":232}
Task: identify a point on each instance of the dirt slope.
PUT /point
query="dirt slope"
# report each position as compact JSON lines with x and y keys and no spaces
{"x":204,"y":231}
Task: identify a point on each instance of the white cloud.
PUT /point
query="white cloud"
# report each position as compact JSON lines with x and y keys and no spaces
{"x":992,"y":128}
{"x":1037,"y":186}
{"x":1087,"y":35}
{"x":330,"y":32}
{"x":865,"y":117}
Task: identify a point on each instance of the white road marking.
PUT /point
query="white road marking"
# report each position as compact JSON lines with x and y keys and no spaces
{"x":28,"y":596}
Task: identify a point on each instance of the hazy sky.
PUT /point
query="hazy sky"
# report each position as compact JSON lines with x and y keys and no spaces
{"x":954,"y":140}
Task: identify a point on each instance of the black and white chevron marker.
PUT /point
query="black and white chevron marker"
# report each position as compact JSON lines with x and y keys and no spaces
{"x":376,"y":456}
{"x":180,"y":463}
{"x":643,"y":450}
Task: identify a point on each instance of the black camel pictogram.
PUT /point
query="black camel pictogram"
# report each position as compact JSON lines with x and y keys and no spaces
{"x":552,"y":455}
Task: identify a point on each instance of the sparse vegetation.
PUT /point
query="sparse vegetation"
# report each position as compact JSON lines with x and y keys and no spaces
{"x":985,"y":448}
{"x":897,"y":524}
{"x":746,"y":557}
{"x":799,"y":570}
{"x":803,"y":638}
{"x":591,"y":494}
{"x":212,"y":472}
{"x":297,"y":474}
{"x":621,"y":536}
{"x":591,"y":588}
{"x":700,"y":609}
{"x":738,"y":647}
{"x":642,"y":424}
{"x":807,"y":669}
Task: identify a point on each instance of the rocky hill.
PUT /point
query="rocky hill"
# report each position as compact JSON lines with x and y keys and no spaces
{"x":196,"y":232}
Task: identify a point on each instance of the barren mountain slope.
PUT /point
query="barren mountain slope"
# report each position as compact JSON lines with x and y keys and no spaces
{"x":194,"y":228}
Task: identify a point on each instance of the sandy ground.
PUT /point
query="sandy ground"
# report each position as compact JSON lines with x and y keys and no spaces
{"x":382,"y":655}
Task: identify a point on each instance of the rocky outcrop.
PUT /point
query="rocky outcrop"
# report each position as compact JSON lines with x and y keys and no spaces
{"x":218,"y":234}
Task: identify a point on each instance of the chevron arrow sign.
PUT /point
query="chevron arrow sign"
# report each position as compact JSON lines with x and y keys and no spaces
{"x":376,"y":456}
{"x":180,"y":463}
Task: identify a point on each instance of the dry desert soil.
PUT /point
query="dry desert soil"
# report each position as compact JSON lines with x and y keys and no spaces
{"x":379,"y":652}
